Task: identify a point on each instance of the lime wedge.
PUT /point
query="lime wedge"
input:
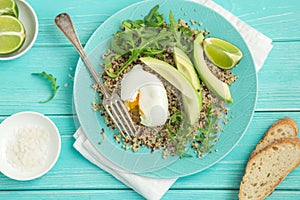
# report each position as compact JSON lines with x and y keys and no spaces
{"x":8,"y":7}
{"x":223,"y":54}
{"x":12,"y":34}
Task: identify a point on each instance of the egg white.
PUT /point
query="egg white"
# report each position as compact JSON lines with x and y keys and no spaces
{"x":145,"y":90}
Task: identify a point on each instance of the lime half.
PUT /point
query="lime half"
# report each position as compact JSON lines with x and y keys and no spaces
{"x":12,"y":34}
{"x":222,"y":53}
{"x":8,"y":7}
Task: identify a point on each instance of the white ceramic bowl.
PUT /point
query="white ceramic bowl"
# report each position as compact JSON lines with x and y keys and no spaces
{"x":8,"y":132}
{"x":30,"y":21}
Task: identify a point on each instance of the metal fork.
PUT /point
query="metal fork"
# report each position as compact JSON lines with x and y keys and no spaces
{"x":112,"y":102}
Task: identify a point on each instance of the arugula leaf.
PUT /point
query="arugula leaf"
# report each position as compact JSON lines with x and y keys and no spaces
{"x":52,"y":80}
{"x":138,"y":42}
{"x":149,"y":36}
{"x":182,"y":35}
{"x":207,"y":134}
{"x":153,"y":19}
{"x":140,"y":37}
{"x":180,"y":133}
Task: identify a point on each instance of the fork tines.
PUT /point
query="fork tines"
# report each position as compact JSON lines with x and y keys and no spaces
{"x":119,"y":114}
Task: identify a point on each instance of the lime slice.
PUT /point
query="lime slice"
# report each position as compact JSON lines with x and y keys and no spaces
{"x":12,"y":34}
{"x":223,"y":54}
{"x":8,"y":7}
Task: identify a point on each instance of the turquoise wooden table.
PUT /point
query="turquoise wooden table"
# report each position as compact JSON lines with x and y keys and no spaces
{"x":73,"y":177}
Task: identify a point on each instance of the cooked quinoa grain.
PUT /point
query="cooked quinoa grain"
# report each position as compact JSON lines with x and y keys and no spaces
{"x":162,"y":137}
{"x":159,"y":137}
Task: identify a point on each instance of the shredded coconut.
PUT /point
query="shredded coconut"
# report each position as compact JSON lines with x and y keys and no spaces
{"x":27,"y":150}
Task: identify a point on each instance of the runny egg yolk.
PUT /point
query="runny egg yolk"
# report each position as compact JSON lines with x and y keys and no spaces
{"x":135,"y":103}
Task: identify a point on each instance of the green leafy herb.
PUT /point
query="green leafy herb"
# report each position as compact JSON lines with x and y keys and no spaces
{"x":174,"y":123}
{"x":52,"y":80}
{"x":146,"y":37}
{"x":144,"y":41}
{"x":182,"y":35}
{"x":153,"y":19}
{"x":181,"y":133}
{"x":205,"y":139}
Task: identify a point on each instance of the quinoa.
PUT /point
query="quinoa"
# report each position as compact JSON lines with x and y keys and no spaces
{"x":153,"y":138}
{"x":160,"y":138}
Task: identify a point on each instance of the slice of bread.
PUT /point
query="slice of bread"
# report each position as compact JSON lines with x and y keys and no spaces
{"x":266,"y":169}
{"x":283,"y":128}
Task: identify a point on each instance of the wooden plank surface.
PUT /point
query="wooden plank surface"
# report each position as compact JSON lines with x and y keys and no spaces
{"x":129,"y":194}
{"x":73,"y":177}
{"x":74,"y":172}
{"x":275,"y":18}
{"x":276,"y":81}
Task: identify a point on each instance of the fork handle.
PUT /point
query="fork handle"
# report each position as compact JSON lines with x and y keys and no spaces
{"x":64,"y":23}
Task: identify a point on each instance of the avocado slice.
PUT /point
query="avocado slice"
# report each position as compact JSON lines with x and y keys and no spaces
{"x":218,"y":87}
{"x":190,"y":98}
{"x":185,"y":66}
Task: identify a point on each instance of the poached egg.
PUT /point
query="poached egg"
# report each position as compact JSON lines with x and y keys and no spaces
{"x":145,"y":91}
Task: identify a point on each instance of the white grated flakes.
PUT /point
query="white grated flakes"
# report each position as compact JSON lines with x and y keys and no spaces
{"x":28,"y":148}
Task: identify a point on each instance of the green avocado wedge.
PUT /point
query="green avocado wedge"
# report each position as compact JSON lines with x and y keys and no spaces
{"x":218,"y":87}
{"x":190,"y":98}
{"x":185,"y":66}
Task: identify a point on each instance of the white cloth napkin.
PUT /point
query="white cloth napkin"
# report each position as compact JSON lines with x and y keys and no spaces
{"x":150,"y":188}
{"x":155,"y":188}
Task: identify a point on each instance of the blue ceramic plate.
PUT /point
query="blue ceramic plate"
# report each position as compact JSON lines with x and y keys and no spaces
{"x":244,"y":92}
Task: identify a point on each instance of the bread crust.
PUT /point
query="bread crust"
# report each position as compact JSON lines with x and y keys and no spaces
{"x":276,"y":144}
{"x":281,"y":122}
